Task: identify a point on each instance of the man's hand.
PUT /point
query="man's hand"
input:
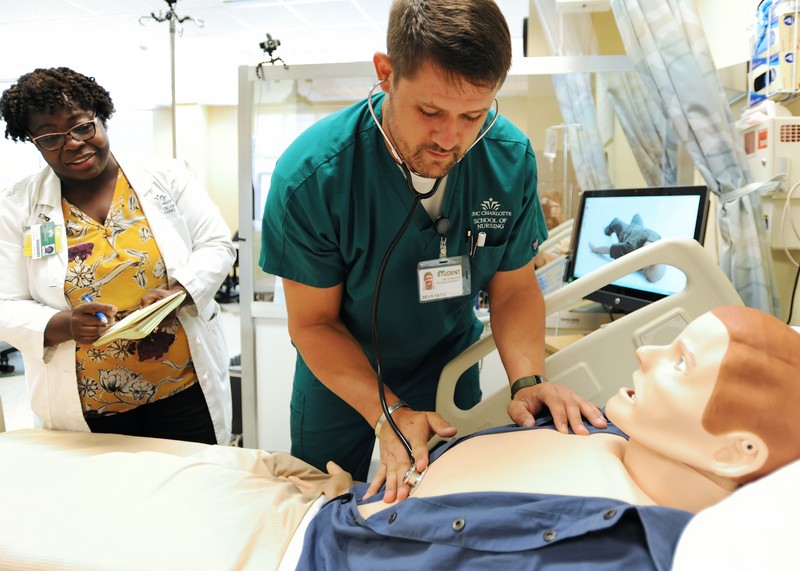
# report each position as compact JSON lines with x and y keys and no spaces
{"x":566,"y":408}
{"x":417,"y":428}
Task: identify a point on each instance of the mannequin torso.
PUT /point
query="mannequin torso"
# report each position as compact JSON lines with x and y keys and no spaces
{"x":513,"y":462}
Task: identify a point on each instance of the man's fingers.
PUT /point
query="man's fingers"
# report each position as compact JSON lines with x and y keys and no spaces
{"x":576,"y":420}
{"x":420,"y":451}
{"x":518,"y":412}
{"x":440,"y":426}
{"x":377,"y":482}
{"x":391,"y":485}
{"x":593,"y":415}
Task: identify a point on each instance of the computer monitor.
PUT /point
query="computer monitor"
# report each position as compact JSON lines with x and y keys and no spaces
{"x":611,"y":223}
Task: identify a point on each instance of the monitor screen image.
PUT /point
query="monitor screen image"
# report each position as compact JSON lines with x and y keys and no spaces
{"x":612,"y":223}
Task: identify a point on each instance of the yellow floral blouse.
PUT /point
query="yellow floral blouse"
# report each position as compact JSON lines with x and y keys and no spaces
{"x":116,"y":263}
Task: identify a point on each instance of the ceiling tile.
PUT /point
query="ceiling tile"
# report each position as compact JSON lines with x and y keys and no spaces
{"x":118,"y":41}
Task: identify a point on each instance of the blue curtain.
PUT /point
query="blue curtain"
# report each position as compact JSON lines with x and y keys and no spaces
{"x":666,"y":41}
{"x":652,"y":141}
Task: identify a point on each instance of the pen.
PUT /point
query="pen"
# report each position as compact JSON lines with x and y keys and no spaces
{"x":479,"y":242}
{"x":100,"y":315}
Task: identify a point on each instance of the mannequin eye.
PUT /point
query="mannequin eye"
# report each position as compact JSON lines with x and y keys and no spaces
{"x":680,"y":365}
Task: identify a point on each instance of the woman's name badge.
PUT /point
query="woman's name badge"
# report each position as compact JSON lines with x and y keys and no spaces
{"x":42,"y":240}
{"x":443,"y":278}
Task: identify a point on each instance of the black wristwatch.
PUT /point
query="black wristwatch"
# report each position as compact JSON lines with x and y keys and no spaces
{"x":526,"y":382}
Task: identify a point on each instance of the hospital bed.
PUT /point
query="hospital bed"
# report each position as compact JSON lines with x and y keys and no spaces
{"x":597,"y":365}
{"x":102,"y":501}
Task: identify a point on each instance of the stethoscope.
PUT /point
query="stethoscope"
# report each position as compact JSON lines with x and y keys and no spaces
{"x":412,"y":478}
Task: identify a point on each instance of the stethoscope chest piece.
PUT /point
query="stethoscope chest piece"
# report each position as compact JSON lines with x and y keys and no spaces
{"x":413,"y":478}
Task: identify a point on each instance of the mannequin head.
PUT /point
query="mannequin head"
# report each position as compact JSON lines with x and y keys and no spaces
{"x":758,"y":388}
{"x":721,"y":397}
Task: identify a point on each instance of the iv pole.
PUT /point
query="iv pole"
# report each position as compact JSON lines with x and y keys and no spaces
{"x":172,"y":18}
{"x":566,"y":192}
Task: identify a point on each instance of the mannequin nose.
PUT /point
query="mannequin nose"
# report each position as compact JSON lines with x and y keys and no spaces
{"x":645,"y":356}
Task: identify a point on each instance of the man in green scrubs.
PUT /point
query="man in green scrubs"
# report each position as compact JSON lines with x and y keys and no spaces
{"x":338,"y":198}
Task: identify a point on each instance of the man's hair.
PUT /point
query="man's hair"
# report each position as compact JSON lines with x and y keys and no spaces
{"x":758,"y":388}
{"x":466,"y":39}
{"x":48,"y":90}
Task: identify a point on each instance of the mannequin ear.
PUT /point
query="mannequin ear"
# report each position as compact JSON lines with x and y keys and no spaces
{"x":742,"y":453}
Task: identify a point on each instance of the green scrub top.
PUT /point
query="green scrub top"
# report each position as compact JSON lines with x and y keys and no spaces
{"x":337,"y":199}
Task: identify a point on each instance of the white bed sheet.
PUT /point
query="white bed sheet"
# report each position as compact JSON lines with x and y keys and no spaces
{"x":82,"y":501}
{"x":756,"y":528}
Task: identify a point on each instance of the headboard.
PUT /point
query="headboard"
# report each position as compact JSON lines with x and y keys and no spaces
{"x":597,"y":365}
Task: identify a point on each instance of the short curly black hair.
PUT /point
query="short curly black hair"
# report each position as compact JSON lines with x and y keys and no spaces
{"x":49,"y":90}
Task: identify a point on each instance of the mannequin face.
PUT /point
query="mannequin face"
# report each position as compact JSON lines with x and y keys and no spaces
{"x":671,"y":389}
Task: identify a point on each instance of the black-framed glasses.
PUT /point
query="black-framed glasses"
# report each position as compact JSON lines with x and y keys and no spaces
{"x":54,"y":141}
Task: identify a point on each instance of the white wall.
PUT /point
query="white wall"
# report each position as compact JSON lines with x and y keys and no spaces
{"x":206,"y":140}
{"x":728,"y":25}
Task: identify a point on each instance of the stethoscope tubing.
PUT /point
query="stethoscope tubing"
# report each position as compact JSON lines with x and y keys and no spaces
{"x":410,"y":479}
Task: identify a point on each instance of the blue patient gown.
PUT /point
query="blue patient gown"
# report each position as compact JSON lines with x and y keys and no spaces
{"x":500,"y":530}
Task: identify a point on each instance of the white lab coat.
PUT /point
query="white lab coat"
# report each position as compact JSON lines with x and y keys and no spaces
{"x":196,"y":246}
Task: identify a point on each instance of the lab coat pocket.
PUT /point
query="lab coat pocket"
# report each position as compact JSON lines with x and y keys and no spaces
{"x":210,"y":348}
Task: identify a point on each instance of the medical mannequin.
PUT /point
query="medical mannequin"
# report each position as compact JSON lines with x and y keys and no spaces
{"x":703,"y":418}
{"x":709,"y":414}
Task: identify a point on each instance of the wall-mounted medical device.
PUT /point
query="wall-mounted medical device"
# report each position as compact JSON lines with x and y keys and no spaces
{"x":771,"y":141}
{"x":771,"y":137}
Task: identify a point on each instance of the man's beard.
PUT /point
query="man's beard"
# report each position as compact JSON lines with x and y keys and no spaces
{"x":428,"y":168}
{"x":416,"y":160}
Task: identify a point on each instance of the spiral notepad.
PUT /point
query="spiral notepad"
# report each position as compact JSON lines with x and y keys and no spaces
{"x":143,"y":321}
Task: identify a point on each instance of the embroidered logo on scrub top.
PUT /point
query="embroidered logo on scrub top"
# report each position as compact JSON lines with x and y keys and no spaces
{"x":165,"y":202}
{"x":491,"y":216}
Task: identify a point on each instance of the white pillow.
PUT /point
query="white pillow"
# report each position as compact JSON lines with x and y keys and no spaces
{"x":757,"y":527}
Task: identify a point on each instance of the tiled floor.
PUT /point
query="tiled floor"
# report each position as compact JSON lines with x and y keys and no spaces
{"x":14,"y":395}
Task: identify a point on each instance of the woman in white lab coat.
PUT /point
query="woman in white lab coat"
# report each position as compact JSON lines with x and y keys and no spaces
{"x":91,"y":238}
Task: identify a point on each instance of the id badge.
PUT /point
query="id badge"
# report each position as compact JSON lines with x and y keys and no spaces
{"x":42,"y":240}
{"x":443,"y":278}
